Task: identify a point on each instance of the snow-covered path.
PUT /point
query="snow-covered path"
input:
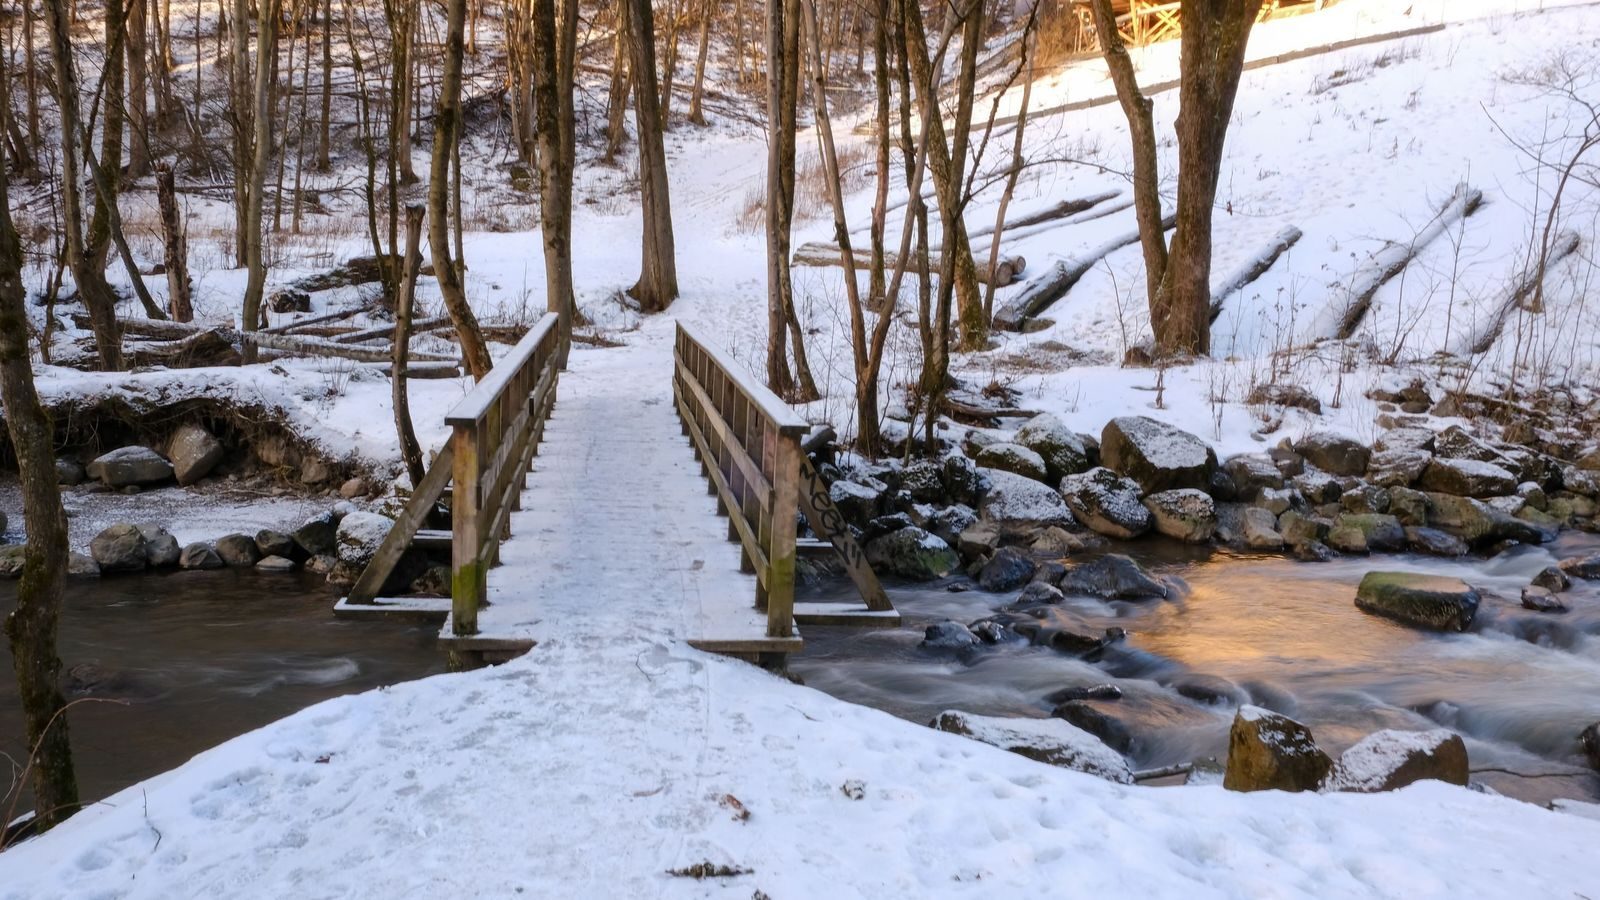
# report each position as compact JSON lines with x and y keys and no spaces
{"x":613,"y":753}
{"x":616,"y":524}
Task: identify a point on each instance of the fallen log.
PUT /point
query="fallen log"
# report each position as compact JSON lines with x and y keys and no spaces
{"x":824,"y":253}
{"x":1521,"y":294}
{"x":1062,"y":210}
{"x":207,"y":348}
{"x":383,"y":331}
{"x":315,"y":320}
{"x":293,"y":344}
{"x":1254,"y":267}
{"x":1038,"y":294}
{"x":1341,"y":318}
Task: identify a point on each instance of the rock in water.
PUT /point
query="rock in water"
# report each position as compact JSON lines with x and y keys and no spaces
{"x":1008,"y":570}
{"x":1050,"y":741}
{"x":1112,"y":577}
{"x":119,"y":548}
{"x":359,"y":535}
{"x":1107,"y":503}
{"x":317,"y":537}
{"x":80,"y":565}
{"x":1270,"y":752}
{"x":1389,"y":760}
{"x":200,"y":556}
{"x":238,"y":550}
{"x":1064,"y":451}
{"x":1540,"y":599}
{"x":1422,"y":601}
{"x":911,"y":553}
{"x":1552,"y":579}
{"x":160,"y":548}
{"x":1156,"y":455}
{"x":948,"y":634}
{"x":194,"y":452}
{"x":1013,"y":458}
{"x":131,"y":466}
{"x":276,"y":543}
{"x":1589,"y":740}
{"x":1014,"y":504}
{"x":275,"y":564}
{"x":1586,"y":567}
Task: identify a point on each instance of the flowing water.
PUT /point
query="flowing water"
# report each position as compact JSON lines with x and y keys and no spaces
{"x":1519,"y":686}
{"x":194,"y":658}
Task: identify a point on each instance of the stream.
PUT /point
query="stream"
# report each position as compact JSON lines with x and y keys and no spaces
{"x":1519,"y":686}
{"x":195,"y":658}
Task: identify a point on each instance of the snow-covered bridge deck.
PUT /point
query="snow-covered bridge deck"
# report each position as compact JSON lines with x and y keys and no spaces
{"x":616,"y":513}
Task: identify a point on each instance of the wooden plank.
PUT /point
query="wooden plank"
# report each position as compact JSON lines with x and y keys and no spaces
{"x":400,"y":537}
{"x":468,"y":573}
{"x":814,"y":613}
{"x":826,"y":520}
{"x":410,"y":609}
{"x":748,"y":469}
{"x":432,"y":539}
{"x":747,"y":538}
{"x":785,"y":488}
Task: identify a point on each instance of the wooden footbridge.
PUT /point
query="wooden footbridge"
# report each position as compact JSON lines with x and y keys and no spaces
{"x":605,"y":494}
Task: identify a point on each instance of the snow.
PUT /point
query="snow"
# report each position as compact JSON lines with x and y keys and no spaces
{"x":1063,"y":743}
{"x":1370,"y":762}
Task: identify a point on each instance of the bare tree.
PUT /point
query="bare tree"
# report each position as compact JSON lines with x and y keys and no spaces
{"x":31,"y":627}
{"x":554,"y":53}
{"x":1210,"y":64}
{"x":410,"y":450}
{"x":657,"y":286}
{"x":783,"y":93}
{"x":260,"y":158}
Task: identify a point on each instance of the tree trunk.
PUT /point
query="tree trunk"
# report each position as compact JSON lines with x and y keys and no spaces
{"x":112,"y":119}
{"x":669,"y":66}
{"x":552,"y":87}
{"x":1142,"y":132}
{"x":260,"y":158}
{"x":410,"y":450}
{"x":657,"y":286}
{"x":783,"y":97}
{"x":697,"y":114}
{"x":138,"y":90}
{"x":446,"y":131}
{"x":173,"y":241}
{"x":91,"y":281}
{"x":617,"y":99}
{"x":1026,"y":66}
{"x":324,"y":162}
{"x":1212,"y":59}
{"x":880,"y":203}
{"x":31,"y":627}
{"x":239,"y":113}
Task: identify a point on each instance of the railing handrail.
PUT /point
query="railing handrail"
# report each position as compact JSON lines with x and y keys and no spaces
{"x":471,"y":409}
{"x":780,"y":414}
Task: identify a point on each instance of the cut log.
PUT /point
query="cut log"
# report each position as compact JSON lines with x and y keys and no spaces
{"x":1254,"y":268}
{"x":1038,"y":294}
{"x":1521,"y":294}
{"x":288,"y":327}
{"x":437,"y":323}
{"x":824,"y":253}
{"x":294,"y":344}
{"x":1343,"y":316}
{"x":1062,"y":210}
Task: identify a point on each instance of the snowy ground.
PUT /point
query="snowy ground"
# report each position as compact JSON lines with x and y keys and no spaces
{"x":613,"y":753}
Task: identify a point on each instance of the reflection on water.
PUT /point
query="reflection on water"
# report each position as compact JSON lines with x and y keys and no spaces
{"x":196,"y":658}
{"x":1285,"y":634}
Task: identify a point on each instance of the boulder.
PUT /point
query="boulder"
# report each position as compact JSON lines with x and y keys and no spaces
{"x":1250,"y":527}
{"x":136,"y":466}
{"x":1542,"y":600}
{"x":1467,"y":478}
{"x":1317,"y":486}
{"x":1252,"y":473}
{"x":1064,"y":451}
{"x":12,"y":558}
{"x":1085,"y":715}
{"x":1052,"y":741}
{"x":1285,"y":395}
{"x":359,"y":536}
{"x":1156,"y":455}
{"x":120,"y":548}
{"x":275,"y":564}
{"x":1112,"y":577}
{"x":978,"y":540}
{"x":200,"y":556}
{"x":1586,"y":567}
{"x":1409,"y":506}
{"x":353,"y":487}
{"x":194,"y":452}
{"x":276,"y":543}
{"x":924,"y":481}
{"x":1007,"y":570}
{"x":1365,"y":498}
{"x":289,"y":300}
{"x":1184,"y":513}
{"x":857,"y":503}
{"x":1268,"y":751}
{"x":1380,"y":533}
{"x":1039,"y":593}
{"x":909,"y":553}
{"x":1476,"y":522}
{"x":1334,"y":453}
{"x":963,"y":483}
{"x":1389,"y":760}
{"x":69,"y":472}
{"x":161,"y":549}
{"x":1107,"y":503}
{"x":1456,"y":442}
{"x":1434,"y":542}
{"x":1084,"y":692}
{"x":1300,"y":530}
{"x":317,"y":537}
{"x":1057,"y":541}
{"x":1552,"y":579}
{"x":238,"y":550}
{"x":948,"y":635}
{"x":1018,"y":505}
{"x":1405,"y":438}
{"x":1589,"y":740}
{"x":1397,"y":468}
{"x":1432,"y":602}
{"x":1533,"y":495}
{"x":1014,"y":458}
{"x":948,"y":523}
{"x":884,"y":524}
{"x":1212,"y":690}
{"x":1276,"y":500}
{"x":82,"y":565}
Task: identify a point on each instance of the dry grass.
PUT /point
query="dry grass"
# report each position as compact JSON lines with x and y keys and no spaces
{"x":811,"y":199}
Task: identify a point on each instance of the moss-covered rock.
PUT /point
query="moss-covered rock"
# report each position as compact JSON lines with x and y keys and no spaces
{"x":1270,"y":752}
{"x":1433,"y":602}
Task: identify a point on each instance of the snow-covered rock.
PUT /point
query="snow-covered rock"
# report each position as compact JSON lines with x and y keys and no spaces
{"x":1050,"y":741}
{"x":1268,"y":751}
{"x":131,"y":466}
{"x":359,"y":535}
{"x":1388,"y":760}
{"x":1467,"y":478}
{"x":1008,"y":457}
{"x":1064,"y":451}
{"x":1334,"y":453}
{"x":194,"y":452}
{"x":1184,"y":513}
{"x":1015,"y":504}
{"x":909,"y":553}
{"x":1156,"y":455}
{"x":1106,"y":502}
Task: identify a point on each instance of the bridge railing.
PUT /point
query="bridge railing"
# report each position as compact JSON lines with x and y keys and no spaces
{"x":496,"y":431}
{"x":748,"y":441}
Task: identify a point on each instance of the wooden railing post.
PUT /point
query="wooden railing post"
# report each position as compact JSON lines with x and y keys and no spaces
{"x":469,"y":580}
{"x":781,"y":525}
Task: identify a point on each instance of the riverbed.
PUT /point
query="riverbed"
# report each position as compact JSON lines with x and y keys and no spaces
{"x":1519,"y":686}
